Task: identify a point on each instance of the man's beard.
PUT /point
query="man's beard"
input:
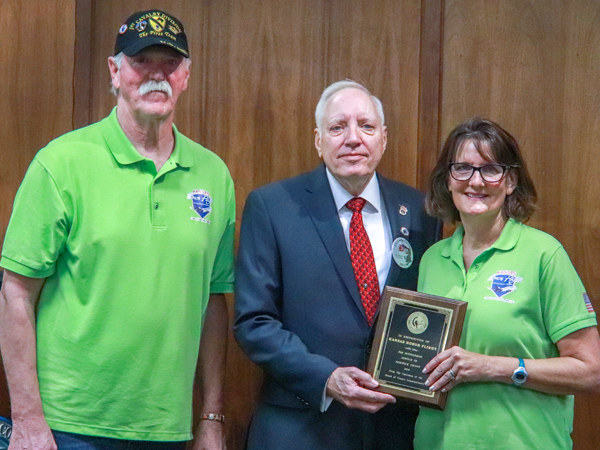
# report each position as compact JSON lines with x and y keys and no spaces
{"x":152,"y":85}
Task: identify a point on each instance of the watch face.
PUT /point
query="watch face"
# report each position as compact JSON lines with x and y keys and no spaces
{"x":520,"y":376}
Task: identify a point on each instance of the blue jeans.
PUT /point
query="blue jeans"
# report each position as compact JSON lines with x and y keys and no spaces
{"x":72,"y":441}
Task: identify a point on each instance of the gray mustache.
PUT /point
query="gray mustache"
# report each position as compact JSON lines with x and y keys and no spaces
{"x":152,"y":85}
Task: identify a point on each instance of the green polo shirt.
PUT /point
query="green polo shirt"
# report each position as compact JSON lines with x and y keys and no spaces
{"x":524,"y":295}
{"x":130,"y":259}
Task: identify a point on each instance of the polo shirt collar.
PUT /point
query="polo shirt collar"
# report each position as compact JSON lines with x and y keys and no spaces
{"x":125,"y":153}
{"x":507,"y":240}
{"x":509,"y":236}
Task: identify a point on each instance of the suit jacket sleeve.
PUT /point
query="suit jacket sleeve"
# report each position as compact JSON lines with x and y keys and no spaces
{"x":258,"y":323}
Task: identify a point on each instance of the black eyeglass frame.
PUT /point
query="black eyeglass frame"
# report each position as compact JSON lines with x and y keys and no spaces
{"x":505,"y":169}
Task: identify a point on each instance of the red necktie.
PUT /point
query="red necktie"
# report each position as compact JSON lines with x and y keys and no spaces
{"x":363,"y":262}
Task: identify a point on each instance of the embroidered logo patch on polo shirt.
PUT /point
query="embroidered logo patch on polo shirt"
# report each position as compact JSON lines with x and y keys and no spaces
{"x":503,"y":283}
{"x":201,"y":203}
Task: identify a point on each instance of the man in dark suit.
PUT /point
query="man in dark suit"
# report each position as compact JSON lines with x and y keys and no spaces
{"x":311,"y":265}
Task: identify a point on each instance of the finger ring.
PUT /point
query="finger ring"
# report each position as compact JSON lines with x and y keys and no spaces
{"x":452,"y":374}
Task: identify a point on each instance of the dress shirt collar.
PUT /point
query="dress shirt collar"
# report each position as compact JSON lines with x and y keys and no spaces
{"x":341,"y":196}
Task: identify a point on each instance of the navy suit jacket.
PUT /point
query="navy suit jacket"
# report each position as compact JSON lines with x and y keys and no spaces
{"x":298,"y":311}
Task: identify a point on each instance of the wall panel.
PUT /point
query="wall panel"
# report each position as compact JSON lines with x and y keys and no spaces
{"x":533,"y":67}
{"x":577,"y":223}
{"x":37,"y":102}
{"x":37,"y":97}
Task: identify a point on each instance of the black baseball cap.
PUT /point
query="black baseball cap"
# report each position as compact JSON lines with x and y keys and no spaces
{"x":153,"y":27}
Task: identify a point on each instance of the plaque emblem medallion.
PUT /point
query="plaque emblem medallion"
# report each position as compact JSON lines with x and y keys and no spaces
{"x":417,"y":322}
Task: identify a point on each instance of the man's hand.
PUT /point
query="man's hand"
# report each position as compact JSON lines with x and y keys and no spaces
{"x":353,"y":388}
{"x":31,"y":434}
{"x":211,"y":373}
{"x":209,"y":436}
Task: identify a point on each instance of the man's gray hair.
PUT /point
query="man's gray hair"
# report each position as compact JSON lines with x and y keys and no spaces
{"x":118,"y":58}
{"x":334,"y":88}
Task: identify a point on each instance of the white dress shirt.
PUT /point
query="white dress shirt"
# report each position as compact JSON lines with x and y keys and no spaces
{"x":375,"y":220}
{"x":378,"y":229}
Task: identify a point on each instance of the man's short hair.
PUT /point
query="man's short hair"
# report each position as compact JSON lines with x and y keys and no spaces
{"x":118,"y":58}
{"x":334,"y":88}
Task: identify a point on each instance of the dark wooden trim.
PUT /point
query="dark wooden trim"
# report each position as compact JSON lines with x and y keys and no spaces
{"x":430,"y":88}
{"x":82,"y":65}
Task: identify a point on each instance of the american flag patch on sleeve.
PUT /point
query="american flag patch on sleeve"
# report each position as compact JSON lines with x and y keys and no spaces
{"x":588,"y":303}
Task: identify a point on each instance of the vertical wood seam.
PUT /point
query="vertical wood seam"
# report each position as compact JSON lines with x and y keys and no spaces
{"x":82,"y":63}
{"x":430,"y":88}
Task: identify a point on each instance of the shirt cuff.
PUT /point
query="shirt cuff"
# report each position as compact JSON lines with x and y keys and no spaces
{"x":325,"y":399}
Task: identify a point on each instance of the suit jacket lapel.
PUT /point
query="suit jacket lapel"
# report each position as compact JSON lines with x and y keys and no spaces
{"x":399,"y":216}
{"x":321,"y":207}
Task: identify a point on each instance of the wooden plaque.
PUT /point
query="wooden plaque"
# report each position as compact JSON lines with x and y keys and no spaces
{"x":411,"y":329}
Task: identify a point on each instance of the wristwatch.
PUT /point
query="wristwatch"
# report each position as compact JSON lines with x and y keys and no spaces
{"x":519,"y":376}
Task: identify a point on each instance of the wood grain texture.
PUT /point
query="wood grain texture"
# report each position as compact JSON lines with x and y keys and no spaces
{"x":578,"y":221}
{"x":430,"y":88}
{"x":37,"y":59}
{"x":83,"y":58}
{"x":533,"y":67}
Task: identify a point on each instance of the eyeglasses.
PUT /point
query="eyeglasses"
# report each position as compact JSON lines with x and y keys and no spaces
{"x":492,"y":173}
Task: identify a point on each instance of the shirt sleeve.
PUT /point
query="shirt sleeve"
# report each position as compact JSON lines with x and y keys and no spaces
{"x":563,"y":297}
{"x":222,"y":277}
{"x":38,"y":227}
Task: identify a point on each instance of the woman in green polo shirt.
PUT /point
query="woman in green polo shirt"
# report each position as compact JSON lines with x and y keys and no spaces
{"x":529,"y":340}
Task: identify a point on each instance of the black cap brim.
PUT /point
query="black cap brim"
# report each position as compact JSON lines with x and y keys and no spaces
{"x":137,"y":47}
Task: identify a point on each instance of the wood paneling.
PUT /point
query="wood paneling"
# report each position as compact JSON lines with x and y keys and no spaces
{"x":37,"y":60}
{"x":507,"y":65}
{"x":83,"y":57}
{"x":37,"y":101}
{"x":533,"y":67}
{"x":430,"y":84}
{"x":577,"y":222}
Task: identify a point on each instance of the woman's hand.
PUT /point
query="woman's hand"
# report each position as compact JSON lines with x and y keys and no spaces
{"x":577,"y":369}
{"x":455,"y":366}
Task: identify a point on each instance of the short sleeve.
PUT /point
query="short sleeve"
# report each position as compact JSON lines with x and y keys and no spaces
{"x":222,"y":277}
{"x":563,"y":298}
{"x":38,"y":227}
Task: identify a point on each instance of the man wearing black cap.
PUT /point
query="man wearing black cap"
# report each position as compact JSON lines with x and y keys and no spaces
{"x":117,"y":257}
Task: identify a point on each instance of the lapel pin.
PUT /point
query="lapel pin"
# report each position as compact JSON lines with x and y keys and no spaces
{"x":402,"y":253}
{"x":403,"y":210}
{"x":404,"y":231}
